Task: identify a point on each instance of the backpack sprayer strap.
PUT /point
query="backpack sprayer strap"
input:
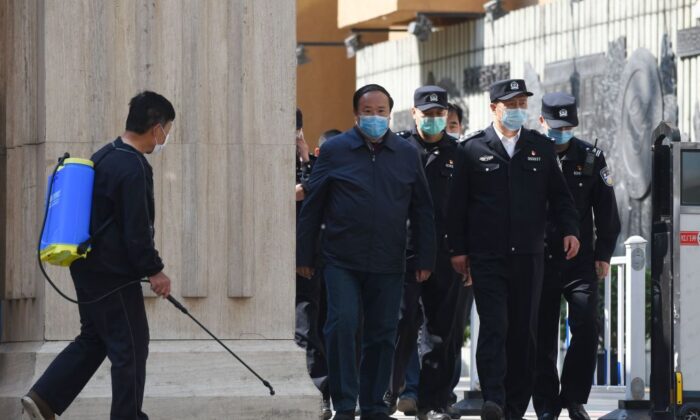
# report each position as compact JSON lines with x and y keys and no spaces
{"x":85,"y":245}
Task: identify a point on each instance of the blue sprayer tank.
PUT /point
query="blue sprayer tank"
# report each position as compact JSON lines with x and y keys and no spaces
{"x":68,"y":215}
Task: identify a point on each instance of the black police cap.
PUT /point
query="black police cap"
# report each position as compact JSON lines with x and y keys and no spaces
{"x":429,"y":97}
{"x":559,"y":110}
{"x":507,"y":89}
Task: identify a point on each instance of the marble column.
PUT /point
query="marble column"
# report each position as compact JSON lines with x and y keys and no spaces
{"x":224,"y":192}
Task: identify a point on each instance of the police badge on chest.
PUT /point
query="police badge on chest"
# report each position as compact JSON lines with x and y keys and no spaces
{"x":533,"y":157}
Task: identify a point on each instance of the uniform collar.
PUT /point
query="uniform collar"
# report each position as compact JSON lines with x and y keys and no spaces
{"x":445,"y":141}
{"x":502,"y":137}
{"x":494,"y":142}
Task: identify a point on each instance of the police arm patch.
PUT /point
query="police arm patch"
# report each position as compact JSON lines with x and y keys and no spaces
{"x":606,"y":176}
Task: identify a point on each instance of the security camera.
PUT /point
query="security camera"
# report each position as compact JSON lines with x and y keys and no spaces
{"x":352,"y":45}
{"x":421,"y":28}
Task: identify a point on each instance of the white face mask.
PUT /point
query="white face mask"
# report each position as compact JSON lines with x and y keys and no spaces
{"x":455,"y":134}
{"x":159,"y":147}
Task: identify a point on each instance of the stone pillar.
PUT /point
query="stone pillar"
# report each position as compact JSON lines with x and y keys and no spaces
{"x":225,"y":214}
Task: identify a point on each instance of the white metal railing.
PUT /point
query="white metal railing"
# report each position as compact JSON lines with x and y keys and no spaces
{"x":630,"y":346}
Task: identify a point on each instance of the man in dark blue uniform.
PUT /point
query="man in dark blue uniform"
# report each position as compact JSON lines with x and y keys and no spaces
{"x":590,"y":183}
{"x":439,"y":294}
{"x":366,"y":184}
{"x":498,"y":216}
{"x":124,"y":252}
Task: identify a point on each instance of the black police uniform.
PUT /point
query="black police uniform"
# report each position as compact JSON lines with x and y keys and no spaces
{"x":310,"y":305}
{"x":115,"y":327}
{"x":498,"y":213}
{"x":438,"y":295}
{"x":589,"y":181}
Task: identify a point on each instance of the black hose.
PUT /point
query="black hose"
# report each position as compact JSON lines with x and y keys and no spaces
{"x":184,"y":310}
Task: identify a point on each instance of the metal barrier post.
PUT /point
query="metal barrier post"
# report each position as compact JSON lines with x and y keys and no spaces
{"x":635,"y":275}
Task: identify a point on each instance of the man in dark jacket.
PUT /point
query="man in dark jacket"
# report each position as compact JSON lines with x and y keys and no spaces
{"x":590,"y":183}
{"x":366,"y":184}
{"x":498,"y":216}
{"x":122,"y":254}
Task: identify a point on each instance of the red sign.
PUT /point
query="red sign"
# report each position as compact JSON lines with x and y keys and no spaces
{"x":689,"y":238}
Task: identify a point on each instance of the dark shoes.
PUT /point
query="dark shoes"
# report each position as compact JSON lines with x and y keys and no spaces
{"x":326,"y":412}
{"x":577,"y":412}
{"x":408,"y":406}
{"x":390,"y":401}
{"x":547,"y":416}
{"x":433,"y":415}
{"x":491,"y":411}
{"x":36,"y":407}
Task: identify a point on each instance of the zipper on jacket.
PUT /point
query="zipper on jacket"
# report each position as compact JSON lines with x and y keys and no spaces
{"x":374,"y":204}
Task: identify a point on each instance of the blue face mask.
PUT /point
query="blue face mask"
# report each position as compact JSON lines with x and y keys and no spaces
{"x":513,"y":119}
{"x":374,"y":126}
{"x":560,"y":136}
{"x":432,"y":125}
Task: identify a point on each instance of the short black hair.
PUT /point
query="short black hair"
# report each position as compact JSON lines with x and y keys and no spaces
{"x":328,"y":134}
{"x":456,"y":109}
{"x":367,"y":89}
{"x":147,"y":109}
{"x":300,"y":119}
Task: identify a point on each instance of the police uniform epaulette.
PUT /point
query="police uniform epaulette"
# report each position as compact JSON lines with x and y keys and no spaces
{"x":472,"y":135}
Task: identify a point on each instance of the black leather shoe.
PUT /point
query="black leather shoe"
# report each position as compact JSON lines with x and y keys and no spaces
{"x":491,"y":411}
{"x":577,"y":412}
{"x":36,"y":407}
{"x":344,"y":415}
{"x":434,"y":415}
{"x":547,"y":416}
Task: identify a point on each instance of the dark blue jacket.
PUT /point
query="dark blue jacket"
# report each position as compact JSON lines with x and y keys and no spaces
{"x":125,"y":250}
{"x":365,"y":197}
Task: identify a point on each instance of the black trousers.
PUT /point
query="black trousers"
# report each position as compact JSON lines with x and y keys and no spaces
{"x":578,"y":284}
{"x":507,"y":292}
{"x":310,"y":317}
{"x":410,"y":321}
{"x":116,"y":328}
{"x":437,"y":300}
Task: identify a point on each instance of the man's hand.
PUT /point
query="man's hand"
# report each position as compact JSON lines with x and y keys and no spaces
{"x":571,"y":245}
{"x":299,"y":193}
{"x":602,"y":268}
{"x":306,"y":272}
{"x":160,"y":284}
{"x":422,"y":275}
{"x":467,"y":280}
{"x":302,"y":147}
{"x":460,"y":263}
